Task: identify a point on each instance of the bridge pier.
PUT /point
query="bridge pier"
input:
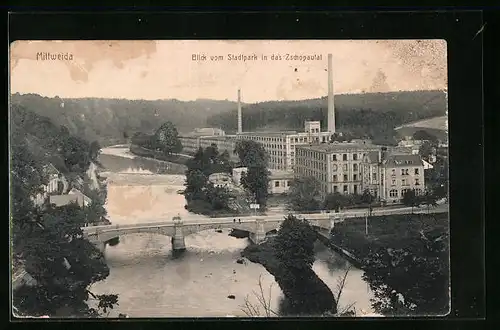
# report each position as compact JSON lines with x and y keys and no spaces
{"x":259,"y":235}
{"x":178,"y":243}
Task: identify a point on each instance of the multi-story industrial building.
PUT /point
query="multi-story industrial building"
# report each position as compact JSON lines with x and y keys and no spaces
{"x":191,"y":144}
{"x":351,"y":168}
{"x":336,"y":166}
{"x":280,"y":146}
{"x":390,"y":176}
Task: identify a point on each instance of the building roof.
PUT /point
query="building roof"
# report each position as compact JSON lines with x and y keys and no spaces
{"x":219,"y":138}
{"x":372,"y":157}
{"x":335,"y":147}
{"x":77,"y":192}
{"x":50,"y":169}
{"x":402,"y":160}
{"x":284,"y":133}
{"x":206,"y":131}
{"x":280,"y":175}
{"x":61,"y":200}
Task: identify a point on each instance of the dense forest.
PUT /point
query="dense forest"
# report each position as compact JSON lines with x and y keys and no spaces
{"x":359,"y":114}
{"x":49,"y":143}
{"x":112,"y":121}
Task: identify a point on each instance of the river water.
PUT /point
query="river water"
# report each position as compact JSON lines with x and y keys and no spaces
{"x":150,"y":282}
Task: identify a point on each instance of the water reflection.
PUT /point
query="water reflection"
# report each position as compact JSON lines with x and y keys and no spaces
{"x":152,"y":281}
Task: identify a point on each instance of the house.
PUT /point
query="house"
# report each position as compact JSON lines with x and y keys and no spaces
{"x":62,"y":200}
{"x":280,"y":181}
{"x":57,"y":184}
{"x":82,"y":199}
{"x":389,"y":176}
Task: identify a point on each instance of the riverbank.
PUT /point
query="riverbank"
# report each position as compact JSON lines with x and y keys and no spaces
{"x":147,"y":153}
{"x":405,"y":259}
{"x":388,"y":231}
{"x":306,"y":294}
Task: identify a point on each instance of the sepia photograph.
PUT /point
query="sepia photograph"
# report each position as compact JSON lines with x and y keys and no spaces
{"x":229,"y":178}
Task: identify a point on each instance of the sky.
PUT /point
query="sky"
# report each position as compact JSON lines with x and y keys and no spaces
{"x":166,"y":69}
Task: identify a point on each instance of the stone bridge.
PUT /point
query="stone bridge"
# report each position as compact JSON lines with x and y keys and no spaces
{"x":177,"y":228}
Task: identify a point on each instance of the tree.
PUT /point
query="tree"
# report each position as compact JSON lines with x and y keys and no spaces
{"x":410,"y":198}
{"x":335,"y":201}
{"x":251,"y":153}
{"x":304,"y":194}
{"x":49,"y":241}
{"x":143,"y":140}
{"x":426,"y":150}
{"x":256,"y":179}
{"x":167,"y":138}
{"x":64,"y":264}
{"x":196,"y":182}
{"x":411,"y":280}
{"x":218,"y":197}
{"x":94,"y":151}
{"x":76,"y":154}
{"x":425,"y":136}
{"x":294,"y":244}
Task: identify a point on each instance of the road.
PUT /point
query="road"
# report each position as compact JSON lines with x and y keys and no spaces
{"x":271,"y":217}
{"x":378,"y":210}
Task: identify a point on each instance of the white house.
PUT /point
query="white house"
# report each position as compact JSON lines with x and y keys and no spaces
{"x":54,"y":179}
{"x":280,"y":181}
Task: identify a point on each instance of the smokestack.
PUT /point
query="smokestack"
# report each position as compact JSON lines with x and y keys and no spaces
{"x":240,"y":128}
{"x":331,"y":104}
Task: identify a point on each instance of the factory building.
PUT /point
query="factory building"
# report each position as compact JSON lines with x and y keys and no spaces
{"x":336,"y":166}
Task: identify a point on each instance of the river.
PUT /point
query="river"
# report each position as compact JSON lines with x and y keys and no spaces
{"x":150,"y":282}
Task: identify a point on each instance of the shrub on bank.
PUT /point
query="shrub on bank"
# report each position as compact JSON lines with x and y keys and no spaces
{"x":405,"y":259}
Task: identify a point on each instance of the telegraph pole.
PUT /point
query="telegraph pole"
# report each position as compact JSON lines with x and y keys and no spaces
{"x":366,"y":224}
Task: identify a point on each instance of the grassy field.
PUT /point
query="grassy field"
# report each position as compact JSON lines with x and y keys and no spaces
{"x":391,"y":231}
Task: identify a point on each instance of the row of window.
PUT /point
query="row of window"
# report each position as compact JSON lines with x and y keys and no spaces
{"x":345,"y":189}
{"x":405,"y":182}
{"x":406,"y":171}
{"x":278,"y":184}
{"x":345,"y":177}
{"x":394,"y":193}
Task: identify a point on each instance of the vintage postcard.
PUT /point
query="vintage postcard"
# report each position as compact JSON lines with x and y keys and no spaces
{"x":229,"y":178}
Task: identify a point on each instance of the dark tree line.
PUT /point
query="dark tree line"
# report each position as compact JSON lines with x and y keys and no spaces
{"x":67,"y":152}
{"x":164,"y":139}
{"x":113,"y":121}
{"x":368,"y":115}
